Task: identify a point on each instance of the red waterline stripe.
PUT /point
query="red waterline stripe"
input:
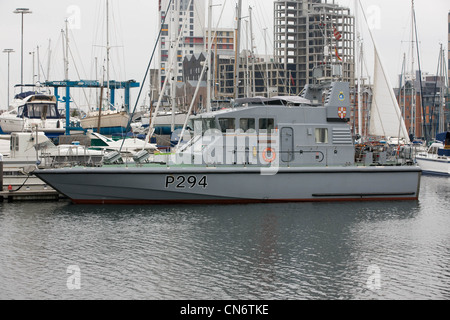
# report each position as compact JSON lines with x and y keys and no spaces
{"x":229,"y":202}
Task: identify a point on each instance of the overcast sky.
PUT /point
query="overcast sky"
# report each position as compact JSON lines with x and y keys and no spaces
{"x":134,"y":26}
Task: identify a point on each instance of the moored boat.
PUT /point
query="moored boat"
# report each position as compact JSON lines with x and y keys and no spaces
{"x":31,"y":110}
{"x":436,"y":160}
{"x":110,"y":122}
{"x":262,"y":151}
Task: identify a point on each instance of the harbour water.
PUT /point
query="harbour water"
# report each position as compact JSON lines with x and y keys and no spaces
{"x":298,"y":251}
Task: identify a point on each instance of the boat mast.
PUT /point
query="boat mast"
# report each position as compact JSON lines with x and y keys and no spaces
{"x":401,"y":101}
{"x":208,"y":99}
{"x":38,"y":65}
{"x":404,"y":85}
{"x":49,"y":59}
{"x":267,"y":63}
{"x":251,"y":52}
{"x":247,"y":64}
{"x":66,"y":60}
{"x":237,"y":61}
{"x":358,"y":59}
{"x":413,"y":77}
{"x":108,"y":49}
{"x":443,"y":79}
{"x":174,"y":69}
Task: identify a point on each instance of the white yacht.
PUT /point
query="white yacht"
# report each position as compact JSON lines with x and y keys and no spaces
{"x":30,"y":110}
{"x":436,"y":160}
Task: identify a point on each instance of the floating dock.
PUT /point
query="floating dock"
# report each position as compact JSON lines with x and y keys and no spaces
{"x":19,"y":186}
{"x":28,"y":195}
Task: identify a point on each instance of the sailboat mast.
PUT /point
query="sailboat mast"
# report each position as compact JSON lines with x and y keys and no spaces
{"x":443,"y":78}
{"x":247,"y":64}
{"x":108,"y":48}
{"x":208,"y":101}
{"x":38,"y":65}
{"x":267,"y":63}
{"x":413,"y":77}
{"x":252,"y":45}
{"x":238,"y":48}
{"x":358,"y":69}
{"x":66,"y":54}
{"x":49,"y":59}
{"x":174,"y":69}
{"x":404,"y":85}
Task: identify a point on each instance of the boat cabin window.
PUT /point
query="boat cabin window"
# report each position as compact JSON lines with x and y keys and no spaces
{"x":227,"y":124}
{"x":200,"y":126}
{"x":433,"y":150}
{"x":321,"y":135}
{"x":38,"y":110}
{"x":247,"y":124}
{"x":267,"y":124}
{"x":209,"y":124}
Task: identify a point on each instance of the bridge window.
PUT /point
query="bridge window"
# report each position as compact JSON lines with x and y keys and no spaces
{"x":267,"y":124}
{"x":246,"y":124}
{"x":227,"y":124}
{"x":209,"y":124}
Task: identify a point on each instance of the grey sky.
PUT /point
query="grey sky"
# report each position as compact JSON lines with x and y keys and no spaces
{"x":134,"y":25}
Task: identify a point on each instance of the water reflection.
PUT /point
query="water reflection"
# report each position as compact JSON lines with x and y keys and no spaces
{"x":264,"y":251}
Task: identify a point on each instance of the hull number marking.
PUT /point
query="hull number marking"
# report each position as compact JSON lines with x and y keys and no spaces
{"x":183,"y":182}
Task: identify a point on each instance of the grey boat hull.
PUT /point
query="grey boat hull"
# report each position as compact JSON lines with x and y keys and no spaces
{"x":171,"y":185}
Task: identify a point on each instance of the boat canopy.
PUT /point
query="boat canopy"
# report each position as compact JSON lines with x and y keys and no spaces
{"x":42,"y":97}
{"x":24,"y":95}
{"x":444,"y":137}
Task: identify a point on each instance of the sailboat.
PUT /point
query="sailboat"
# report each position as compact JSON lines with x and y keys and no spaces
{"x":386,"y":120}
{"x":112,"y":120}
{"x":387,"y":138}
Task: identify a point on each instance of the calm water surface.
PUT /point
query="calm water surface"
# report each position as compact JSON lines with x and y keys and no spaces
{"x":386,"y":250}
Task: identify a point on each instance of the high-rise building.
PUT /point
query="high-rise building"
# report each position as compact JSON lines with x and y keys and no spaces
{"x":223,"y":41}
{"x":187,"y":16}
{"x":314,"y":39}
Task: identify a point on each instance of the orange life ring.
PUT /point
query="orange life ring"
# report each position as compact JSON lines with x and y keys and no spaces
{"x":266,"y":159}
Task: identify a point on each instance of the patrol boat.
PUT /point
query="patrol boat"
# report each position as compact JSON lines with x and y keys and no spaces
{"x":297,"y":149}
